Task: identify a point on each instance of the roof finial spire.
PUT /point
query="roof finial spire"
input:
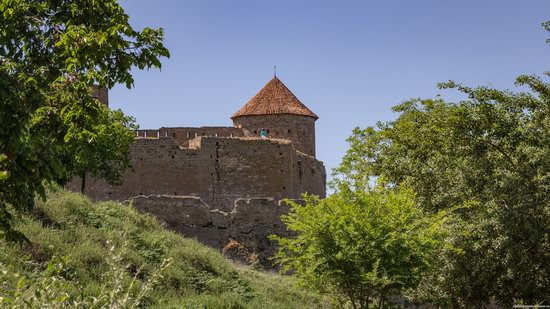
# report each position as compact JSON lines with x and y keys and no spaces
{"x":275,"y":71}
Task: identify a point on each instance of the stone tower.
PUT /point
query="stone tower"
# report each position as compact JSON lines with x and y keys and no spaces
{"x":101,"y":94}
{"x":277,"y":110}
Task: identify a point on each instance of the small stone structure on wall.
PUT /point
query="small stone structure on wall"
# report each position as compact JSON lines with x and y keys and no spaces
{"x":224,"y":185}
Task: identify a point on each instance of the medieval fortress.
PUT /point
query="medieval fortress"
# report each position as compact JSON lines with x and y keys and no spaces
{"x":224,"y":185}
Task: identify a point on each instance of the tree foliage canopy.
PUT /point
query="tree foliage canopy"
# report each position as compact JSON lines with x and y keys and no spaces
{"x":363,"y":246}
{"x":51,"y":53}
{"x":3,"y":174}
{"x":490,"y":152}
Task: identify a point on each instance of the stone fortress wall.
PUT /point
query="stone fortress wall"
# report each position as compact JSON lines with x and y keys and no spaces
{"x":242,"y":232}
{"x":224,"y":185}
{"x":218,"y":170}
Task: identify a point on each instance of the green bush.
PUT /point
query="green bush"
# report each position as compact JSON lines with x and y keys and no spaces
{"x":364,"y":247}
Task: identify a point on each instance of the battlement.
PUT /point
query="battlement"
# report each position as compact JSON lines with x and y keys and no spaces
{"x":186,"y":133}
{"x":188,"y":137}
{"x":182,"y":135}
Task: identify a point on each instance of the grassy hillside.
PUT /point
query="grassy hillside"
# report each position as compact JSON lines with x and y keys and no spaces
{"x":83,"y":254}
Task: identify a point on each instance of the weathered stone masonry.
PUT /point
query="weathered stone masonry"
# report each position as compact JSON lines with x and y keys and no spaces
{"x":217,"y":170}
{"x":250,"y":222}
{"x":225,"y":183}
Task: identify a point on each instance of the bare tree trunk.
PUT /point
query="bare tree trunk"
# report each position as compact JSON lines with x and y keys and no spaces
{"x":382,"y":301}
{"x":83,"y":183}
{"x":349,"y":291}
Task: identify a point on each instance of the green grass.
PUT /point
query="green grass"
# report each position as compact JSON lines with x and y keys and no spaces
{"x":84,"y":254}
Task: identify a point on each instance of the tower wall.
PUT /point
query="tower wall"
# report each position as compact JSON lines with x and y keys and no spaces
{"x":298,"y":129}
{"x":101,"y":94}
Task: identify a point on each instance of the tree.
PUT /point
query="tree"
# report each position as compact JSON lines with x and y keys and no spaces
{"x":490,"y":152}
{"x":101,"y":150}
{"x":51,"y":54}
{"x":3,"y":174}
{"x":546,"y":26}
{"x":363,"y":246}
{"x":97,"y":139}
{"x":106,"y":156}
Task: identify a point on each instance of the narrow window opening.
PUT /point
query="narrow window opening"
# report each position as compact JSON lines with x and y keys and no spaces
{"x":174,"y":134}
{"x":289,"y":131}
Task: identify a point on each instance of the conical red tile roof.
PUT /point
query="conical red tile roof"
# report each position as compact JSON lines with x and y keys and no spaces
{"x":274,"y":98}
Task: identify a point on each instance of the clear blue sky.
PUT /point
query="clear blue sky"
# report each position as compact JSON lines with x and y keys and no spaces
{"x":348,"y":61}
